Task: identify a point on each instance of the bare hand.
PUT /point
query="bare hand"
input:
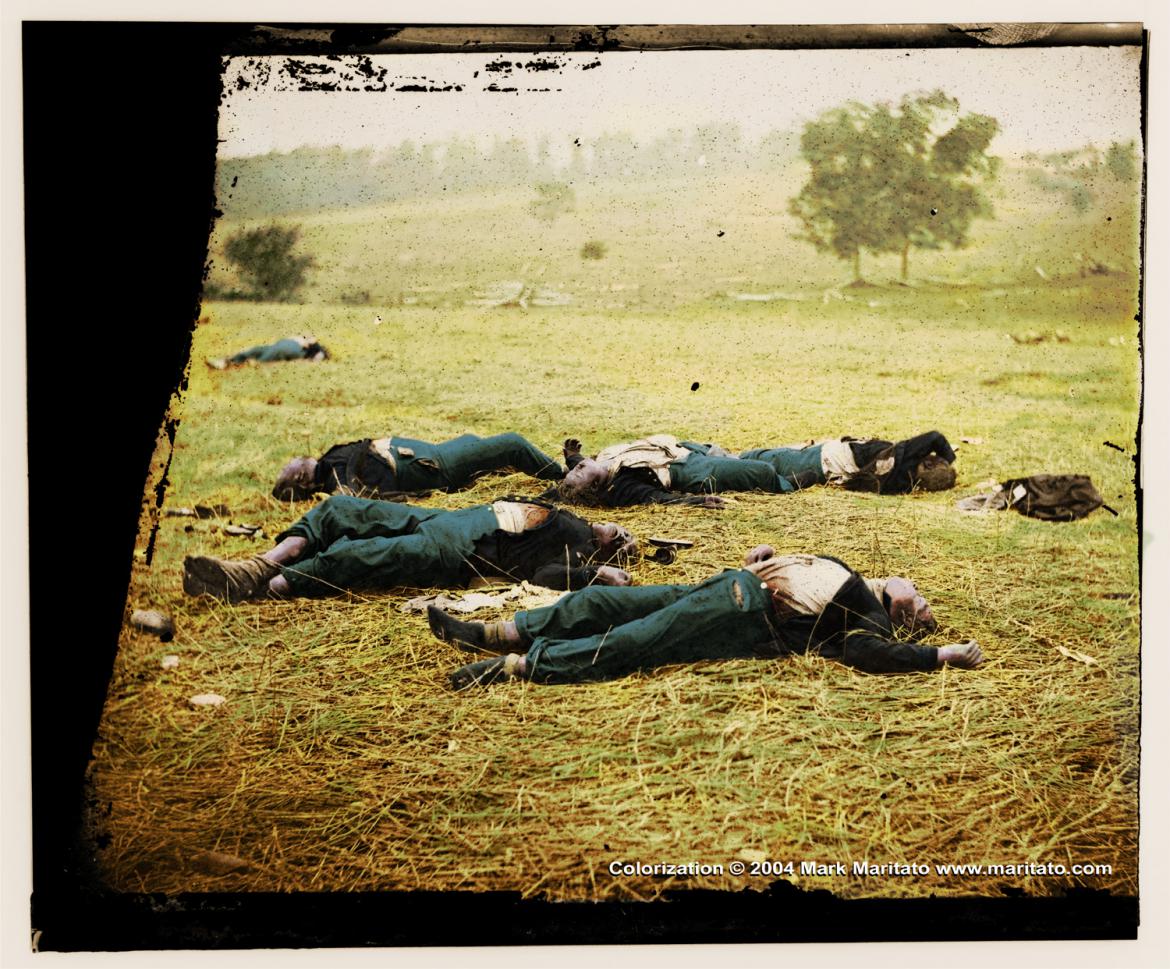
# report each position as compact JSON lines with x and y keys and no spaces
{"x":761,"y":553}
{"x":714,"y":501}
{"x":611,"y":575}
{"x":966,"y":656}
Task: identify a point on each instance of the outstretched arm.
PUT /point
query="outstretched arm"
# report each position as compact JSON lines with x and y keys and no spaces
{"x":627,"y":489}
{"x":932,"y":442}
{"x":557,"y":575}
{"x":875,"y":654}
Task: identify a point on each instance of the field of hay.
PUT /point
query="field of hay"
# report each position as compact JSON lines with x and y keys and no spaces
{"x":340,"y":761}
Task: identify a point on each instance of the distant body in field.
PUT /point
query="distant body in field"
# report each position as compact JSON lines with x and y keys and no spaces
{"x":393,"y":466}
{"x":776,"y":605}
{"x":866,"y":464}
{"x":349,"y":544}
{"x":291,"y":348}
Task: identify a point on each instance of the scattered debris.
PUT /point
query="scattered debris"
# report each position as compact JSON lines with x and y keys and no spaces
{"x":153,"y":621}
{"x":1041,"y":273}
{"x":521,"y":294}
{"x":660,"y":542}
{"x":1073,"y":654}
{"x":199,"y":511}
{"x":522,"y":596}
{"x":219,"y":863}
{"x":1036,"y":336}
{"x":452,"y":745}
{"x":170,"y":662}
{"x":207,"y":700}
{"x":1094,"y":267}
{"x":971,"y":440}
{"x":242,"y":529}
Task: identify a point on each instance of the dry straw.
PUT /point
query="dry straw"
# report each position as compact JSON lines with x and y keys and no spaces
{"x":340,"y":762}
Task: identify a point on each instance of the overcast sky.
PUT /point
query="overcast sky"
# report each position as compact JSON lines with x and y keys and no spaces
{"x":1044,"y":98}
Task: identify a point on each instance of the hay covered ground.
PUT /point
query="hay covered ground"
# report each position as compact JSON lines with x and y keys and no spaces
{"x":340,"y":762}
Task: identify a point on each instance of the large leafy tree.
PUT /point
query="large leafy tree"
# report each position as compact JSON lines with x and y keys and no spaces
{"x":265,"y":259}
{"x":885,"y":178}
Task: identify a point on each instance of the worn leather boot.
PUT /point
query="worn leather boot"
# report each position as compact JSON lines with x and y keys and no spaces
{"x":232,"y":581}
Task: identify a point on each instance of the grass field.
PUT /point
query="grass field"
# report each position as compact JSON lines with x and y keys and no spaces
{"x":340,"y":761}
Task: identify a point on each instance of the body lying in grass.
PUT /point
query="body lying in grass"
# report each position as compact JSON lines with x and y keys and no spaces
{"x":866,"y":464}
{"x":661,"y":469}
{"x":774,"y":606}
{"x":348,"y":543}
{"x":292,"y":348}
{"x":664,"y":470}
{"x":392,"y":466}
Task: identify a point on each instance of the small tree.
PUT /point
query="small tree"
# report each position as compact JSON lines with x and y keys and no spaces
{"x":885,"y":179}
{"x":1121,"y":161}
{"x":553,"y":199}
{"x":266,"y":260}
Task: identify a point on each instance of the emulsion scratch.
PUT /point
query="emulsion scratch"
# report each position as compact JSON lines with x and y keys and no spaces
{"x":506,"y":67}
{"x":1114,"y":446}
{"x":333,"y":73}
{"x":429,"y":88}
{"x":160,"y":488}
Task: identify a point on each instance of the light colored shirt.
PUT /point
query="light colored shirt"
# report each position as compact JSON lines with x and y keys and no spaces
{"x":516,"y":517}
{"x":803,"y":585}
{"x":656,"y":452}
{"x":839,"y":464}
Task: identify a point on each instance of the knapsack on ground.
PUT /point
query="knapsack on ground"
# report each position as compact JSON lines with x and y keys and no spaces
{"x":1051,"y":497}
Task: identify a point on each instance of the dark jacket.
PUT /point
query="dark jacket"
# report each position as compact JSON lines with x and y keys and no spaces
{"x":558,"y":554}
{"x":356,"y":469}
{"x":906,"y":454}
{"x":853,"y":629}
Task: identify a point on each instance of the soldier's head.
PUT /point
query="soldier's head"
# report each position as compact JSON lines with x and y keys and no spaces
{"x":614,"y":543}
{"x":908,"y":608}
{"x":584,"y":482}
{"x":296,"y":481}
{"x":934,"y":474}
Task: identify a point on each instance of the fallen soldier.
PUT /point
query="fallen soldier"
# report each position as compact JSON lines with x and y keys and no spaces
{"x":393,"y":466}
{"x":868,"y":464}
{"x":346,"y":544}
{"x":292,"y":348}
{"x":662,"y":470}
{"x":774,"y":606}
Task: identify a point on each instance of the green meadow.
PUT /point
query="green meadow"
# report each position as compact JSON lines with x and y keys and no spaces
{"x":340,"y":761}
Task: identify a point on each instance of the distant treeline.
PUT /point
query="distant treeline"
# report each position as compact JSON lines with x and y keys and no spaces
{"x":1079,"y":174}
{"x":312,"y":178}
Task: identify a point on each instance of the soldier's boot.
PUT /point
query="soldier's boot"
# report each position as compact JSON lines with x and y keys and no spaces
{"x":471,"y":637}
{"x":227,"y":579}
{"x":485,"y":672}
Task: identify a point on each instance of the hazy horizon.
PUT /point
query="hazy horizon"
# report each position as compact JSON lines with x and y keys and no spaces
{"x":1046,"y":99}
